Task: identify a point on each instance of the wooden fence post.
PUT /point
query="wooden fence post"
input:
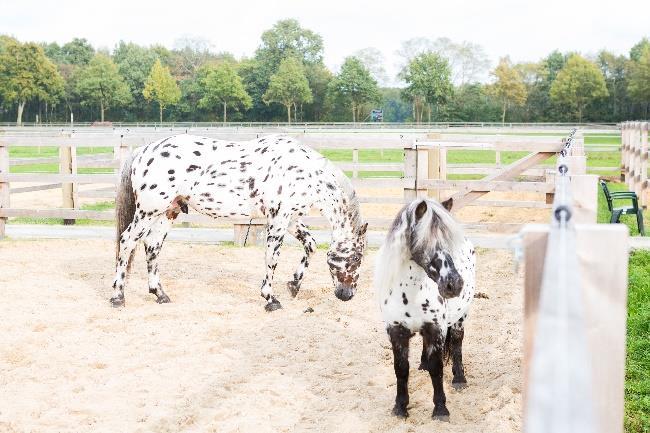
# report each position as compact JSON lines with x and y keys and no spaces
{"x":4,"y":186}
{"x":65,"y":167}
{"x":422,"y":172}
{"x":585,"y":198}
{"x":355,"y":161}
{"x":624,"y":142}
{"x":604,"y":292}
{"x":643,"y":181}
{"x":410,"y":172}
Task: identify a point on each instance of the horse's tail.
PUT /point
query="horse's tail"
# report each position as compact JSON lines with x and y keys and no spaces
{"x":446,"y":351}
{"x":124,"y":204}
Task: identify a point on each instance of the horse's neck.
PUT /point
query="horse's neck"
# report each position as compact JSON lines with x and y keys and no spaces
{"x":338,"y":215}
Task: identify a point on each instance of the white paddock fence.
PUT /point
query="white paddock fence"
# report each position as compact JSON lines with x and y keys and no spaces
{"x":575,"y":315}
{"x":634,"y":158}
{"x":423,"y":171}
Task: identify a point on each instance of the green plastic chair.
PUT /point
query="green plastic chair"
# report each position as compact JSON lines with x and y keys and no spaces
{"x":623,"y":210}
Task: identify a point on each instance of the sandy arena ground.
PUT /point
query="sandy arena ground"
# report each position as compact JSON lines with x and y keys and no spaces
{"x":214,"y":361}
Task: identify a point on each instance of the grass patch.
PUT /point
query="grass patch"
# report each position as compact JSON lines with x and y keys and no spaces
{"x":49,"y":151}
{"x":637,"y":371}
{"x":100,"y":206}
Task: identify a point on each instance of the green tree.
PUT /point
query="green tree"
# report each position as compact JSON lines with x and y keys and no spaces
{"x":639,"y":81}
{"x":428,"y":79}
{"x":509,"y":86}
{"x":161,"y":87}
{"x":77,"y":52}
{"x":288,"y":39}
{"x":101,"y":83}
{"x":578,"y":84}
{"x":637,"y":50}
{"x":222,"y":87}
{"x":26,"y":74}
{"x":289,"y":86}
{"x":355,"y":86}
{"x":134,"y":62}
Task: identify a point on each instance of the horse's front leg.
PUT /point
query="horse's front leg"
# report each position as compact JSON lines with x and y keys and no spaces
{"x":275,"y":231}
{"x":153,"y":242}
{"x":399,"y":339}
{"x":434,"y":340}
{"x":299,"y":231}
{"x":456,"y":334}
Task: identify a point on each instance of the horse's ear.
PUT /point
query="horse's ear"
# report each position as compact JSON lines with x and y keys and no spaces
{"x":420,"y":210}
{"x":362,"y":229}
{"x":447,"y":204}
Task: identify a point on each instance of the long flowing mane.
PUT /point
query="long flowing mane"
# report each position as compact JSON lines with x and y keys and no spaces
{"x":353,"y":208}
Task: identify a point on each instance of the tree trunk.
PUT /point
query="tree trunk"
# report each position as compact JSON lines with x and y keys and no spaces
{"x":289,"y":113}
{"x":579,"y":115}
{"x":101,"y":107}
{"x":19,"y":119}
{"x":354,"y":113}
{"x":503,"y":114}
{"x":161,"y":108}
{"x":224,"y":113}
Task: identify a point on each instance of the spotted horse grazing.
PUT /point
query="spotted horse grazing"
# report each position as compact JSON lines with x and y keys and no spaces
{"x":425,"y":281}
{"x":274,"y":177}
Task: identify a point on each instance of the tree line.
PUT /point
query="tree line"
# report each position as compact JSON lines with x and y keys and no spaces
{"x":287,"y":80}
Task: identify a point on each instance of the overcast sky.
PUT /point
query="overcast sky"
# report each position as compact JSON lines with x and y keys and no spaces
{"x":524,"y":30}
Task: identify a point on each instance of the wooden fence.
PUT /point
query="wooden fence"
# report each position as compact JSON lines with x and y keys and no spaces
{"x":424,"y":169}
{"x":575,"y":313}
{"x":634,"y":158}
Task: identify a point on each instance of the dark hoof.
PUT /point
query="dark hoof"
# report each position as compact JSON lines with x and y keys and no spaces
{"x":153,"y":291}
{"x":164,"y":299}
{"x":117,"y":301}
{"x":400,"y":412}
{"x":273,"y":305}
{"x":459,"y":385}
{"x":309,"y":310}
{"x":441,"y":414}
{"x":293,"y":287}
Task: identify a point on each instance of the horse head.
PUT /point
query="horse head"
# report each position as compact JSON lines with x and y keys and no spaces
{"x":344,"y":260}
{"x":432,"y":237}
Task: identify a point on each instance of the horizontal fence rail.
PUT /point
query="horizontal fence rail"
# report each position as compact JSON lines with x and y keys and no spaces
{"x":409,"y":178}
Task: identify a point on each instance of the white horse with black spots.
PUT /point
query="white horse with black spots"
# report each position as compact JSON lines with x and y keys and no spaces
{"x":425,"y":282}
{"x":274,"y":177}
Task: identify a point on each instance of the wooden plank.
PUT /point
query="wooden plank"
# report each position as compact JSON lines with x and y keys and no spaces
{"x":482,"y":187}
{"x":56,"y":178}
{"x":350,"y":166}
{"x":34,"y":188}
{"x":462,"y":198}
{"x":511,"y":203}
{"x":33,"y":161}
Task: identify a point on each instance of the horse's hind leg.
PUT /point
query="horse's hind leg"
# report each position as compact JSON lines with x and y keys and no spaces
{"x":434,"y":342}
{"x":456,"y":334}
{"x":153,"y":242}
{"x":275,"y":231}
{"x":299,"y":231}
{"x":128,"y":241}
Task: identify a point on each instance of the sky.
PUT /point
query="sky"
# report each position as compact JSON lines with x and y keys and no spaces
{"x":524,"y":30}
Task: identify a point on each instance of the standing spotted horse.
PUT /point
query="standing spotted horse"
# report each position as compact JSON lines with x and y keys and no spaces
{"x":425,"y":281}
{"x":274,"y":177}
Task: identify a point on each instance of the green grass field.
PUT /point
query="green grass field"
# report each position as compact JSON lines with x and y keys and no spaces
{"x":637,"y":371}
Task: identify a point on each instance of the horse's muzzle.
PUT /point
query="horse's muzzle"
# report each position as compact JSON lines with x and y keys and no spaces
{"x":344,"y":293}
{"x":451,"y":287}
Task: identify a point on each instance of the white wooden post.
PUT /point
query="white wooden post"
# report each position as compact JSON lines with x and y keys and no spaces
{"x":4,"y":186}
{"x":604,"y":295}
{"x":355,"y":162}
{"x":643,"y":181}
{"x":584,"y":189}
{"x":65,"y":167}
{"x":410,"y":172}
{"x":624,"y":129}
